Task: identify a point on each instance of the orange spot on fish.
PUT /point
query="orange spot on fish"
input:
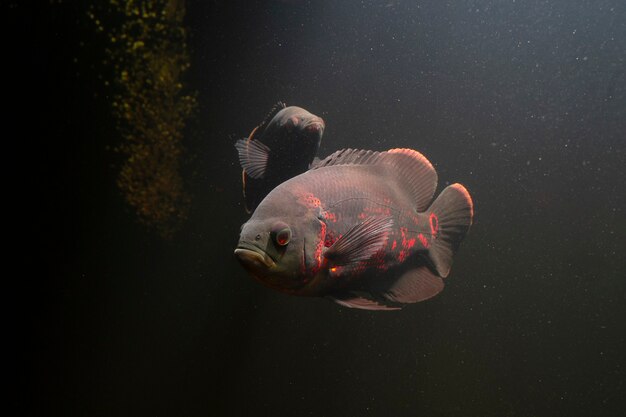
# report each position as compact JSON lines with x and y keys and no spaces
{"x":423,"y":240}
{"x":434,"y":225}
{"x":331,"y":217}
{"x":402,"y":255}
{"x":378,"y":261}
{"x":309,"y":200}
{"x":320,"y":246}
{"x":404,"y":232}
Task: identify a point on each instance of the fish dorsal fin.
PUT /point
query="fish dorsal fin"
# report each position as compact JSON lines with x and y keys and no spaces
{"x":270,"y":115}
{"x":346,"y":157}
{"x":411,"y":168}
{"x":417,"y":173}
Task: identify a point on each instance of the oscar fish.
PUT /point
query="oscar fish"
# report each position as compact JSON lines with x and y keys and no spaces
{"x":282,"y":146}
{"x":359,"y":228}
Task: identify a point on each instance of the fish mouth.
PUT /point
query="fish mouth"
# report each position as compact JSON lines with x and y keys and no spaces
{"x":315,"y":126}
{"x":254,"y":257}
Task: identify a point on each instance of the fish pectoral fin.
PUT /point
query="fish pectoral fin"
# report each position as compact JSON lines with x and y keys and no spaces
{"x":415,"y":285}
{"x":362,"y":301}
{"x":253,"y":156}
{"x":361,"y":242}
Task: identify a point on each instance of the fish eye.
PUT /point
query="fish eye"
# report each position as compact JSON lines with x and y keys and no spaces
{"x":281,"y":233}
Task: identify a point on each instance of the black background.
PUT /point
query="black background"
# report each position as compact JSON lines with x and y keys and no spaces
{"x":521,"y":101}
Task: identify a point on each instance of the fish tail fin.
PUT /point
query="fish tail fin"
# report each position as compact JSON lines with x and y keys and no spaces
{"x":449,"y":219}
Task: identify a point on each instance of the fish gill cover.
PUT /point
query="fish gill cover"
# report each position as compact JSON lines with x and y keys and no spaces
{"x":147,"y":53}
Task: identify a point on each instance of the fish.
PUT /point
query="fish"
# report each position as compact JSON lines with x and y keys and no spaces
{"x":360,"y":228}
{"x":284,"y":145}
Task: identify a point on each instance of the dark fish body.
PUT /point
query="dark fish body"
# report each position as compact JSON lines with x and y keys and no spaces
{"x":281,"y":147}
{"x":359,"y":228}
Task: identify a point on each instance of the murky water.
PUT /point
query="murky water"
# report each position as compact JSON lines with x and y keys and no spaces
{"x":521,"y":101}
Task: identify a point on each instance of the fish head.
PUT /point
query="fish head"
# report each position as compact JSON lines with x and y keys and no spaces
{"x":300,"y":122}
{"x":277,"y":246}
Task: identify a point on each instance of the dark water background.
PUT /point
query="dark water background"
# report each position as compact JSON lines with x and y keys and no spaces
{"x":524,"y":102}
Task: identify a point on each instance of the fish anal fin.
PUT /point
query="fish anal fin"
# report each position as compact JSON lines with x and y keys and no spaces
{"x":362,"y":301}
{"x":415,"y":285}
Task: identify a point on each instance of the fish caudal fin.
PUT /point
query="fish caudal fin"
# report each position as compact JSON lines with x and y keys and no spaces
{"x":449,"y":217}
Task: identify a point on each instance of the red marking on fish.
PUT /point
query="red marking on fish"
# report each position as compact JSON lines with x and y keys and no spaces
{"x":393,"y":245}
{"x":331,"y":217}
{"x":319,"y":248}
{"x":423,"y":240}
{"x":309,"y":200}
{"x":403,"y":232}
{"x":378,"y":261}
{"x":434,"y":225}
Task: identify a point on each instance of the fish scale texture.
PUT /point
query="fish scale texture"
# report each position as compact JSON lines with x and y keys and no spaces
{"x":353,"y":189}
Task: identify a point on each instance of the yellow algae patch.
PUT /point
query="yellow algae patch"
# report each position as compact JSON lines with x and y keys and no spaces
{"x":148,"y":54}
